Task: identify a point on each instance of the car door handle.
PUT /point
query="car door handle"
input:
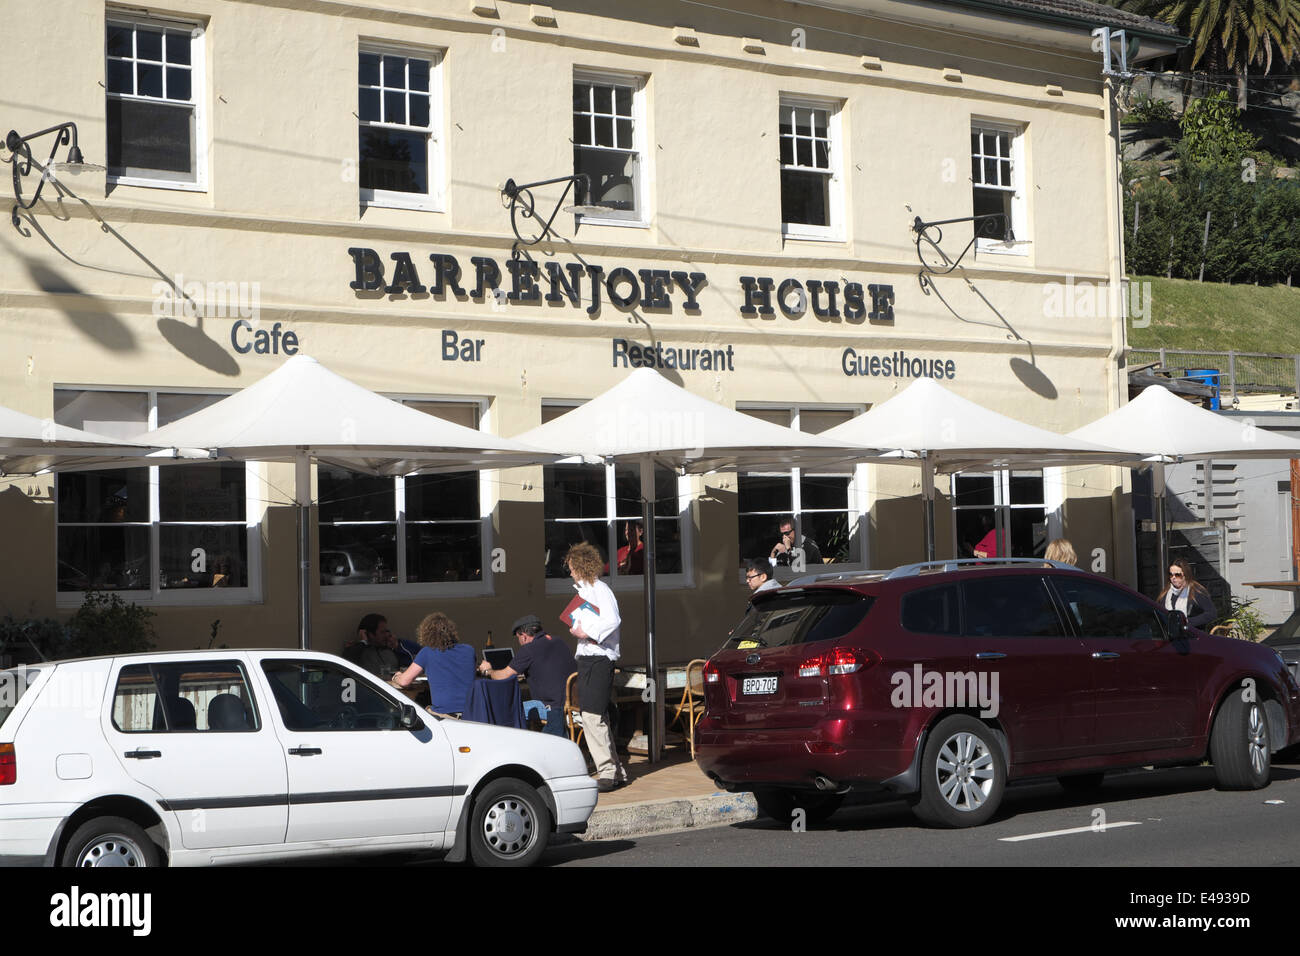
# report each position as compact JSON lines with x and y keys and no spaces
{"x":142,"y":754}
{"x":989,"y":656}
{"x":1104,"y":655}
{"x":305,"y":751}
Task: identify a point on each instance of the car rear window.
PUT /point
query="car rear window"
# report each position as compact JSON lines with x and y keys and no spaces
{"x":188,"y":697}
{"x":801,"y":617}
{"x":13,"y":684}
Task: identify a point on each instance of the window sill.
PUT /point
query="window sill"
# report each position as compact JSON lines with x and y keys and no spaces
{"x":620,"y":223}
{"x":346,"y":594}
{"x":801,"y":236}
{"x":1017,"y":247}
{"x":195,"y":187}
{"x":427,"y":204}
{"x":178,"y":597}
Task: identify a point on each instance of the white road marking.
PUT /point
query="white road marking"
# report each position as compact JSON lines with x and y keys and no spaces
{"x":1056,"y":833}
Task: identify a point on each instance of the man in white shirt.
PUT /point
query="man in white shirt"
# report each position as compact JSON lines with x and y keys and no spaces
{"x":596,"y":627}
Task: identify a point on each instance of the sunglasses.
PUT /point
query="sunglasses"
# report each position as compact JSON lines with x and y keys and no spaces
{"x":750,"y":577}
{"x":1176,"y":574}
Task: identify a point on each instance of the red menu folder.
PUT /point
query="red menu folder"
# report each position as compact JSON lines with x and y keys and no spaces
{"x":577,"y":604}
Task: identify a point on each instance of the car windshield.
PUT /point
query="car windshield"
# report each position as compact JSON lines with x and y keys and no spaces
{"x":1287,"y":631}
{"x":800,"y":617}
{"x":13,"y":684}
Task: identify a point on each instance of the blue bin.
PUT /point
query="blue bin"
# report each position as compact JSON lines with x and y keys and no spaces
{"x":1207,"y":376}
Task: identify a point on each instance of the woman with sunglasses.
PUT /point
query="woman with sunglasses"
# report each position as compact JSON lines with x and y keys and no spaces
{"x":1184,"y":593}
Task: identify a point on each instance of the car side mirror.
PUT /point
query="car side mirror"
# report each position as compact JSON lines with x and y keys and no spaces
{"x":1177,"y":625}
{"x":409,"y":719}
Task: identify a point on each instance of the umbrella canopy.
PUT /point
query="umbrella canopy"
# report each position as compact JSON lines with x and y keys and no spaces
{"x":1164,"y":426}
{"x":302,"y":408}
{"x":645,"y":415}
{"x":29,"y":445}
{"x":926,"y":419}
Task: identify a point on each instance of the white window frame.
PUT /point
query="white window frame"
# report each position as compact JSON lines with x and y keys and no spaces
{"x":1019,"y":192}
{"x":402,"y":589}
{"x":859,"y":505}
{"x":836,"y":210}
{"x":156,"y":595}
{"x":198,"y":98}
{"x":435,"y":199}
{"x":630,"y":582}
{"x":1053,"y":488}
{"x":638,"y":218}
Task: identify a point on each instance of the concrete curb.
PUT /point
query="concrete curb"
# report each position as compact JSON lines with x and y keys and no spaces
{"x":670,"y":814}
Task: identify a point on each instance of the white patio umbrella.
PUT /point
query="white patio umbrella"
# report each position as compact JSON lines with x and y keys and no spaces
{"x":29,"y":445}
{"x":927,"y":424}
{"x":648,"y":420}
{"x":1169,"y":429}
{"x":303,"y":411}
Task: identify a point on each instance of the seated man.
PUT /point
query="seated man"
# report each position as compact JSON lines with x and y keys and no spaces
{"x":375,"y":647}
{"x":546,"y":661}
{"x":785,"y":554}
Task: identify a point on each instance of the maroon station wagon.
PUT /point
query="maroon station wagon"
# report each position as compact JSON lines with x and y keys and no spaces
{"x":942,"y":681}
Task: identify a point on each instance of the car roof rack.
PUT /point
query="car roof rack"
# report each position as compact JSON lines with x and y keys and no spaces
{"x":833,"y":576}
{"x":960,"y":564}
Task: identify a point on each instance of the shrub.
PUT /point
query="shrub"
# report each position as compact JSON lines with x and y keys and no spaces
{"x":105,"y":624}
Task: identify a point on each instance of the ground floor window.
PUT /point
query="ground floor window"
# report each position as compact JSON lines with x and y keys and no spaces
{"x":179,"y":529}
{"x":418,"y":530}
{"x":1000,"y":514}
{"x":822,"y":503}
{"x":601,"y":504}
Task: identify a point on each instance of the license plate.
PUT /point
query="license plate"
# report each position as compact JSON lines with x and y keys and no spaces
{"x":758,"y":685}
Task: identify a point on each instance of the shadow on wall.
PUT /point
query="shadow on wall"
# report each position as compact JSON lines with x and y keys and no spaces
{"x":27,"y":579}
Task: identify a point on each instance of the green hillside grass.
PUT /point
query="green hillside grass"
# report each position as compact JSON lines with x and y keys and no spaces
{"x":1214,"y":317}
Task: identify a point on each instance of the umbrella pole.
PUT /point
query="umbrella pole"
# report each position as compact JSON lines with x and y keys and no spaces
{"x":656,"y":730}
{"x":1162,"y":543}
{"x":927,"y":503}
{"x":302,"y":494}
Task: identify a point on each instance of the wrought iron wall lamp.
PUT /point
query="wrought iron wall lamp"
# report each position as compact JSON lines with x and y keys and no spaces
{"x":523,"y":207}
{"x":986,"y":227}
{"x":22,"y":161}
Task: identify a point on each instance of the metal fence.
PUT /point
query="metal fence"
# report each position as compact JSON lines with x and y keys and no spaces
{"x":1235,"y":373}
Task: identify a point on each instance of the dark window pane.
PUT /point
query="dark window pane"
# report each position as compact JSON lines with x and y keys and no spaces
{"x":805,"y":198}
{"x":358,"y":554}
{"x":758,"y":533}
{"x":394,"y":107}
{"x":932,"y":611}
{"x":368,"y":105}
{"x":1028,"y":532}
{"x":574,"y":491}
{"x":148,"y":44}
{"x":442,"y":497}
{"x":975,"y":170}
{"x":202,"y":493}
{"x":121,"y":74}
{"x":787,"y":151}
{"x":178,"y":48}
{"x":118,"y":40}
{"x":394,"y":160}
{"x":395,"y":71}
{"x":582,"y":97}
{"x":627,"y":491}
{"x":974,"y":142}
{"x":623,"y":100}
{"x":994,"y":201}
{"x":802,"y":618}
{"x":419,"y":115}
{"x":104,"y":558}
{"x":825,"y":537}
{"x":581,"y":130}
{"x":1010,"y":607}
{"x":668,"y":546}
{"x":148,"y":79}
{"x":561,"y":535}
{"x":178,"y":84}
{"x":604,"y":131}
{"x":612,"y":176}
{"x":624,"y":128}
{"x":973,"y":526}
{"x":221,"y":561}
{"x":444,"y":552}
{"x":150,"y":136}
{"x":765,"y":493}
{"x":368,"y":69}
{"x":1026,"y":489}
{"x":973,"y":490}
{"x":104,"y":496}
{"x":803,"y":152}
{"x":604,"y":96}
{"x":822,"y":159}
{"x":350,"y":496}
{"x":324,"y":698}
{"x":419,"y":75}
{"x":991,"y":172}
{"x":824,"y":491}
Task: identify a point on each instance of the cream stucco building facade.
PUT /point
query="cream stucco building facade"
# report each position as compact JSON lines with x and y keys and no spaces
{"x":326,"y":179}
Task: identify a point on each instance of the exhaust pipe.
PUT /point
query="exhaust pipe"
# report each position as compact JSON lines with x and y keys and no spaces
{"x":822,"y":783}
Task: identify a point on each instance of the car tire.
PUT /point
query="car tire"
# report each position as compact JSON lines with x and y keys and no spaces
{"x":509,"y":824}
{"x":1239,"y":745}
{"x":963,"y":774}
{"x":780,"y":804}
{"x":1082,"y":782}
{"x":110,"y":841}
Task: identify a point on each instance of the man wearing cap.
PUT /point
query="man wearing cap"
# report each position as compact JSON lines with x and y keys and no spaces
{"x":546,"y":661}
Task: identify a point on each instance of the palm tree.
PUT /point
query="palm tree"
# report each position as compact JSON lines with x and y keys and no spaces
{"x":1236,"y":34}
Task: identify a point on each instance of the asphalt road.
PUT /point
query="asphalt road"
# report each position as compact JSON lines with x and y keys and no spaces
{"x":1151,"y":818}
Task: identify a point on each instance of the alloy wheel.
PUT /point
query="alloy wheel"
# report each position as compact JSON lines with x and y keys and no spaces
{"x":965,"y":771}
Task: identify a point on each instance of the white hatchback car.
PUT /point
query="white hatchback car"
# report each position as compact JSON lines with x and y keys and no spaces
{"x":235,"y":756}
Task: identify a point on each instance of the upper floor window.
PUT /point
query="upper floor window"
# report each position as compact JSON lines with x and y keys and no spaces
{"x":176,"y":533}
{"x":609,"y":144}
{"x":397,"y":103}
{"x":811,"y":199}
{"x":997,"y":178}
{"x":422,"y":530}
{"x":155,"y":121}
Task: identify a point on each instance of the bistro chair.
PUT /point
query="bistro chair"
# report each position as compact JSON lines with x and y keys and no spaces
{"x":691,"y":707}
{"x":572,"y":712}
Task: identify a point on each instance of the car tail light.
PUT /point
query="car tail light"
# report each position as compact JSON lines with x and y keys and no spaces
{"x":8,"y":764}
{"x":711,"y":673}
{"x":835,"y":662}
